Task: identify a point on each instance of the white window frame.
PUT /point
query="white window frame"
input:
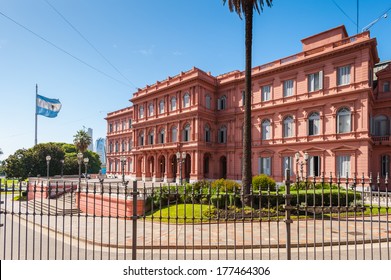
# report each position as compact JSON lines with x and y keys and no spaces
{"x":288,"y":88}
{"x":266,"y":93}
{"x":173,"y":103}
{"x":150,"y":110}
{"x":186,"y":133}
{"x":314,"y":166}
{"x":174,"y":134}
{"x":344,"y":120}
{"x":141,"y":112}
{"x":315,"y":81}
{"x":289,"y":127}
{"x":266,"y":129}
{"x":344,"y":75}
{"x":287,"y":162}
{"x":161,"y":106}
{"x":265,"y":165}
{"x":186,"y":100}
{"x":314,"y":124}
{"x":343,"y":165}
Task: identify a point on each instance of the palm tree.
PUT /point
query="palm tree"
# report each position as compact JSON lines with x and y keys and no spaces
{"x":82,"y":140}
{"x":246,"y":8}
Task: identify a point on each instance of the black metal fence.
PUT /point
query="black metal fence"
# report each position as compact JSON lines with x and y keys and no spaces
{"x":313,"y":218}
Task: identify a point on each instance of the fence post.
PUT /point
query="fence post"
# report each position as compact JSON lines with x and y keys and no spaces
{"x":287,"y":208}
{"x":134,"y":218}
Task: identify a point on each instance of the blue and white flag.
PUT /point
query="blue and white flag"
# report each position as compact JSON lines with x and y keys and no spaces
{"x":48,"y":107}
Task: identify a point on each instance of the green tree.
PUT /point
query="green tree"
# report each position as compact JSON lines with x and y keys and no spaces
{"x":82,"y":140}
{"x":246,"y":8}
{"x":32,"y":162}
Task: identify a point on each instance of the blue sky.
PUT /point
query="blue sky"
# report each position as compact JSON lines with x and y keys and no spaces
{"x":146,"y":41}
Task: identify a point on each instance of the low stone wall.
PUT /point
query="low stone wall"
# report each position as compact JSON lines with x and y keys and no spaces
{"x":41,"y":188}
{"x":109,"y":205}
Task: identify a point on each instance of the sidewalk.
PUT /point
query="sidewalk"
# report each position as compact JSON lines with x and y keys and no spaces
{"x":112,"y":232}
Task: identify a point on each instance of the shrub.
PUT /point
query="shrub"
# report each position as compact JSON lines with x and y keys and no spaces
{"x":225,"y":186}
{"x":263,"y":182}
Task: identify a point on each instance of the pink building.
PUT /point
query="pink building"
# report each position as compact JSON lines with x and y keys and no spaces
{"x":324,"y":107}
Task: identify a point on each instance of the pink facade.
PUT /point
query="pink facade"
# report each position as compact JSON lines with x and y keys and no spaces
{"x":325,"y":103}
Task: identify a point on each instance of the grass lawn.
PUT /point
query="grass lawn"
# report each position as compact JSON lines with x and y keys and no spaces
{"x":190,"y":213}
{"x":181,"y":213}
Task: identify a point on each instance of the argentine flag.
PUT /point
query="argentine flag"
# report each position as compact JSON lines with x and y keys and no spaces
{"x":47,"y":107}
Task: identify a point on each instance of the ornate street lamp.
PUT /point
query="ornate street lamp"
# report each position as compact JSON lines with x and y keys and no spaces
{"x":123,"y":163}
{"x":86,"y":160}
{"x":62,"y":168}
{"x":48,"y":158}
{"x":79,"y":161}
{"x":181,"y":159}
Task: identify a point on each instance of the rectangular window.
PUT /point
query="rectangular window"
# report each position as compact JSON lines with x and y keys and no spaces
{"x":385,"y":165}
{"x":314,"y":166}
{"x":386,"y":87}
{"x":343,"y":75}
{"x":315,"y":81}
{"x":343,"y":166}
{"x":111,"y":127}
{"x":130,"y":123}
{"x":265,"y":93}
{"x":288,"y":88}
{"x":313,"y":127}
{"x":264,"y":165}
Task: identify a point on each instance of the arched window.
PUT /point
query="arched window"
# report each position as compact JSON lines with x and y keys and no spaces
{"x":174,"y":134}
{"x":141,"y":112}
{"x":343,"y":120}
{"x":222,"y":103}
{"x":141,"y":139}
{"x":207,"y":134}
{"x":161,"y":107}
{"x":150,"y":137}
{"x":186,"y":133}
{"x":381,"y":126}
{"x":173,"y":104}
{"x":222,"y":135}
{"x":186,"y":100}
{"x":150,"y":109}
{"x":161,"y":136}
{"x":314,"y":124}
{"x":288,"y":127}
{"x":266,"y":130}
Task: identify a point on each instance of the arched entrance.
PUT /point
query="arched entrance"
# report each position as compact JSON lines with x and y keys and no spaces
{"x":162,"y":168}
{"x":187,"y":168}
{"x":150,"y":168}
{"x":139,"y":164}
{"x":206,"y":165}
{"x":174,"y":168}
{"x":223,"y":167}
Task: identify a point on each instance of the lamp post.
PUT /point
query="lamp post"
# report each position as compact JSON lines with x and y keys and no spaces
{"x":86,"y":160}
{"x":181,"y":159}
{"x":48,"y":158}
{"x":79,"y":161}
{"x":123,"y":163}
{"x":62,"y":168}
{"x":297,"y":157}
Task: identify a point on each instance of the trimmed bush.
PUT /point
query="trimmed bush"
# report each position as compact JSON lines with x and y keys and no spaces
{"x":263,"y":182}
{"x":225,"y":186}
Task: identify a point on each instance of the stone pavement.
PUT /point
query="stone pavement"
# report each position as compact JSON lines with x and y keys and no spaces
{"x":61,"y":216}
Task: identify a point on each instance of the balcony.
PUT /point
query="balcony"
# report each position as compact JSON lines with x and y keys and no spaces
{"x":381,"y":140}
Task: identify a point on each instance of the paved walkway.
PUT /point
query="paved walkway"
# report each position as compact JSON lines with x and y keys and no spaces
{"x":60,"y":215}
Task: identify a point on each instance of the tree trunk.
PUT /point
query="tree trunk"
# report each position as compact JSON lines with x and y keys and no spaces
{"x":247,"y":168}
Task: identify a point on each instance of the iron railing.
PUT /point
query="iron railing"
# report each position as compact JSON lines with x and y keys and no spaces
{"x":313,"y":218}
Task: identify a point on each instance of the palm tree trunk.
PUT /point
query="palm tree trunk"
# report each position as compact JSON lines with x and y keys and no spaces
{"x":247,"y":168}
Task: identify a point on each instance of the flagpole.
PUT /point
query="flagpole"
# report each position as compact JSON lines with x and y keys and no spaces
{"x":36,"y":115}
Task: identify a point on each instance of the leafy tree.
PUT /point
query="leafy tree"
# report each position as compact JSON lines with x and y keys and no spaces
{"x":32,"y":162}
{"x":82,"y":140}
{"x":246,"y":8}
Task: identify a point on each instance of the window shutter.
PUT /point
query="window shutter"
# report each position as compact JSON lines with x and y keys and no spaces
{"x":320,"y":79}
